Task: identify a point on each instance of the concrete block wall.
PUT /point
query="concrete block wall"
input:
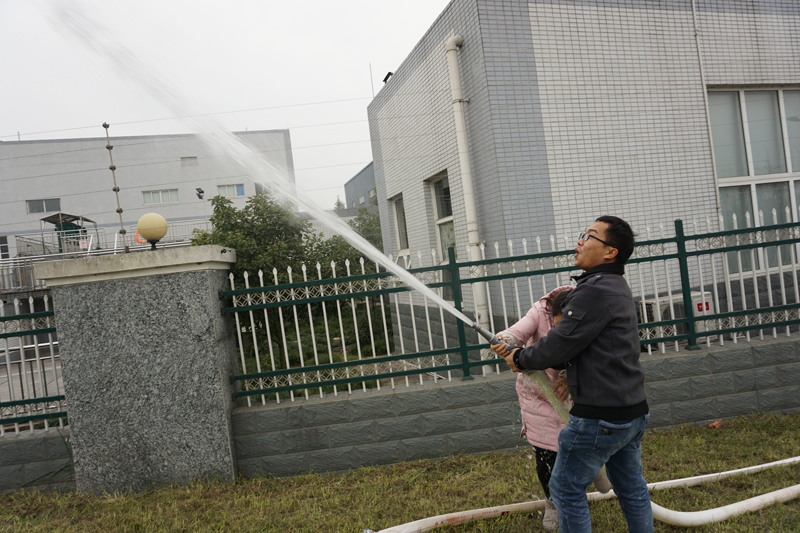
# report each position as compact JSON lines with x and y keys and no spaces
{"x":383,"y":427}
{"x":723,"y":382}
{"x":40,"y":460}
{"x":343,"y":432}
{"x":379,"y":427}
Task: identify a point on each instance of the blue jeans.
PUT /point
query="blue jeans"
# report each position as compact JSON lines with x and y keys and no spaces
{"x":584,"y":446}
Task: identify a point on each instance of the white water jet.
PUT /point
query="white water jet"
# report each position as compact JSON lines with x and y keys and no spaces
{"x":69,"y":18}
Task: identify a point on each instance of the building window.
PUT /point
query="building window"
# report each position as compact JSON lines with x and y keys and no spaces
{"x":52,"y":205}
{"x":372,"y":193}
{"x":400,"y":222}
{"x":189,"y":161}
{"x":165,"y":196}
{"x":443,"y":214}
{"x":3,"y":247}
{"x":756,"y":136}
{"x":261,"y":189}
{"x":743,"y":206}
{"x":756,"y":133}
{"x":443,"y":221}
{"x":229,"y":191}
{"x":361,"y":200}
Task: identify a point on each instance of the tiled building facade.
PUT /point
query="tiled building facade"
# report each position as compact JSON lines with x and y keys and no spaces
{"x":649,"y":110}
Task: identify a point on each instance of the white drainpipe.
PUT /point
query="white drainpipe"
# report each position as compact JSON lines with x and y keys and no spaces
{"x":478,"y":289}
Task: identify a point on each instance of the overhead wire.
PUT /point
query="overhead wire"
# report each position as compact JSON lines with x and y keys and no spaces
{"x":158,"y":138}
{"x":267,"y":108}
{"x":214,"y":178}
{"x":130,"y":165}
{"x":161,"y":119}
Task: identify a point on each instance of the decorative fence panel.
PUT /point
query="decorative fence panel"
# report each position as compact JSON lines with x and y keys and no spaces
{"x":31,"y":389}
{"x":712,"y":287}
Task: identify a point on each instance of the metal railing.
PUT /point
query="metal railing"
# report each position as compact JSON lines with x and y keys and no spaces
{"x":31,"y":387}
{"x":60,"y":242}
{"x":368,"y":330}
{"x":18,"y":277}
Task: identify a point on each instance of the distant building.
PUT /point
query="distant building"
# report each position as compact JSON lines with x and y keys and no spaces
{"x":359,"y":191}
{"x":346,"y":215}
{"x":173,"y":175}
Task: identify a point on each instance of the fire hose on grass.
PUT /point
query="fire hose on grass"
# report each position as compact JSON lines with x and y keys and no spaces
{"x":678,"y":518}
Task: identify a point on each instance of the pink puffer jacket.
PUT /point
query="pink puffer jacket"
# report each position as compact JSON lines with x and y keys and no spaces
{"x":540,"y":422}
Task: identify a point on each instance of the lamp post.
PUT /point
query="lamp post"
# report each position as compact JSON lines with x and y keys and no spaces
{"x":152,"y":227}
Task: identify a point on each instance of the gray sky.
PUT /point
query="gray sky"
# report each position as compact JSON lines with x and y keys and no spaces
{"x":256,"y":64}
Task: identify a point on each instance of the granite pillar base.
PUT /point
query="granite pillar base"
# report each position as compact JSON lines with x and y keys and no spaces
{"x":146,"y":359}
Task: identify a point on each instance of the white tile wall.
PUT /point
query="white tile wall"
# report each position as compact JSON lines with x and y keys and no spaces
{"x":577,"y":109}
{"x":623,"y":113}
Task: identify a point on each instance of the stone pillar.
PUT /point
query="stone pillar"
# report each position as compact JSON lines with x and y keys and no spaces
{"x":146,"y":358}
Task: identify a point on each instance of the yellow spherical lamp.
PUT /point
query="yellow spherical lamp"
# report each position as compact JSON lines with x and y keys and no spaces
{"x":152,"y":227}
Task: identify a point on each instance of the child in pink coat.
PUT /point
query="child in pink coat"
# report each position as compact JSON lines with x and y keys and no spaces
{"x":541,"y":424}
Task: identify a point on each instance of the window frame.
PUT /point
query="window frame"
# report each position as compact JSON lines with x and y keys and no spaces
{"x":44,"y":205}
{"x":401,"y":251}
{"x":438,"y":221}
{"x":751,"y":176}
{"x":235,"y":190}
{"x":161,"y":196}
{"x":791,"y":176}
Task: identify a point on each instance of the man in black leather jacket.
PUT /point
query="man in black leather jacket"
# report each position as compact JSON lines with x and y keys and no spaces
{"x":597,"y":341}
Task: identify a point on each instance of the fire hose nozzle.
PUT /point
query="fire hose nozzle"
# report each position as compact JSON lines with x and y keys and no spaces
{"x":486,"y":334}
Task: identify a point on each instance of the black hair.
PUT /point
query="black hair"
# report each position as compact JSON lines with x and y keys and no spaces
{"x":557,"y":305}
{"x":619,"y":235}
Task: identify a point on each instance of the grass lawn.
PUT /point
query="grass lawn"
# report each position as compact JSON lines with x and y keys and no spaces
{"x":381,"y":497}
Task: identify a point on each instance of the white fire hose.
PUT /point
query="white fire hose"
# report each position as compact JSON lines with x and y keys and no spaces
{"x":661,"y":514}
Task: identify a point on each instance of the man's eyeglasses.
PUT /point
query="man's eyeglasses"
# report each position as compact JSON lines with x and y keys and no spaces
{"x":586,"y":236}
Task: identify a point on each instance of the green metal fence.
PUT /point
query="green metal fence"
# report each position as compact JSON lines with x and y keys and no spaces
{"x":713,"y":287}
{"x":30,"y":369}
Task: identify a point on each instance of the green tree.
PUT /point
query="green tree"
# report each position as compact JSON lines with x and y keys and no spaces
{"x":339,"y":205}
{"x":267,"y":235}
{"x":368,"y":225}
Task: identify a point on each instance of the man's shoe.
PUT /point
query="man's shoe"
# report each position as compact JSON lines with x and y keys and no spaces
{"x":550,"y":520}
{"x":601,"y":482}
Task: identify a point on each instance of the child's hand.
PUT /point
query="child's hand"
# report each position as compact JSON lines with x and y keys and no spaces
{"x":500,"y":349}
{"x":560,"y":389}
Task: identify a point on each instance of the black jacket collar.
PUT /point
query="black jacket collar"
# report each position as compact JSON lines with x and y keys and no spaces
{"x":610,"y":268}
